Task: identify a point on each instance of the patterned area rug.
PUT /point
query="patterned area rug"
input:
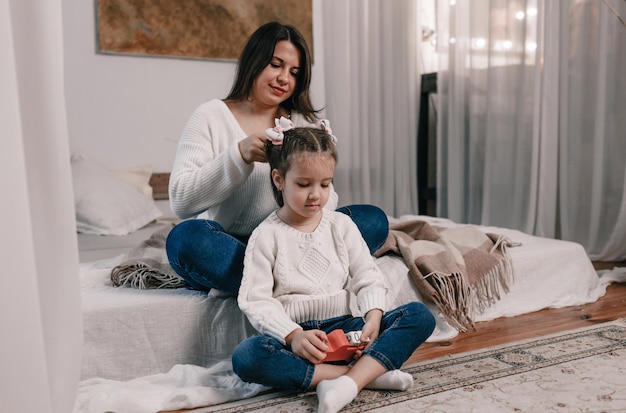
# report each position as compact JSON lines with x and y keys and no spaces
{"x":576,"y":371}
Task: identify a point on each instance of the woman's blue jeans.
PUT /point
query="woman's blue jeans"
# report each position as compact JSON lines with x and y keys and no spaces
{"x":264,"y":360}
{"x":206,"y":257}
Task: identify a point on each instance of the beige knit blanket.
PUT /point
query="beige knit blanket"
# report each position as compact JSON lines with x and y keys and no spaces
{"x":462,"y":269}
{"x":146,"y":265}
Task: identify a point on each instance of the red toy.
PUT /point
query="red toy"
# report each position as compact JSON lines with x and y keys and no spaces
{"x":340,"y":349}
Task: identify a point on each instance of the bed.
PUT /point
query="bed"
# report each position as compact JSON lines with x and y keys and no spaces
{"x":130,"y":333}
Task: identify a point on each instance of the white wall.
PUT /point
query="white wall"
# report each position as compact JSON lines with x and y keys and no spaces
{"x":125,"y":110}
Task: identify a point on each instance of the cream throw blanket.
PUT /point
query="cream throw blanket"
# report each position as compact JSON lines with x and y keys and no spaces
{"x":461,"y":269}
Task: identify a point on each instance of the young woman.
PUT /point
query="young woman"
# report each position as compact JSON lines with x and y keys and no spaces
{"x":220,"y":172}
{"x":302,"y":264}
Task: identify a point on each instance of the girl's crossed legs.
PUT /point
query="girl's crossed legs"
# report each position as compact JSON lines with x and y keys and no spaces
{"x":265,"y":360}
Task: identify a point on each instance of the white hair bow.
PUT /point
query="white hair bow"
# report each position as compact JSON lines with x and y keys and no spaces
{"x":282,"y":125}
{"x":276,"y":134}
{"x":324,"y":124}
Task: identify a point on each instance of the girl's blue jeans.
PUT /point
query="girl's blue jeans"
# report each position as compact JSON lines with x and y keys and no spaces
{"x":206,"y":256}
{"x":264,"y":360}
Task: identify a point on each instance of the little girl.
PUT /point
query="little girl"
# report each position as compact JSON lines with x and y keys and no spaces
{"x":302,"y":265}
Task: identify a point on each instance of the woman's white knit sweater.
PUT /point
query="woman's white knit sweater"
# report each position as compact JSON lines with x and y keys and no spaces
{"x":290,"y":276}
{"x":210,"y":179}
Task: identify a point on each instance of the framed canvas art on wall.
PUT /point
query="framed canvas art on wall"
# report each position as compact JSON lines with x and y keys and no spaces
{"x":195,"y":29}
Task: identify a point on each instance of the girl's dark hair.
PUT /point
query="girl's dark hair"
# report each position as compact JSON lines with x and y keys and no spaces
{"x":296,"y":142}
{"x":258,"y":53}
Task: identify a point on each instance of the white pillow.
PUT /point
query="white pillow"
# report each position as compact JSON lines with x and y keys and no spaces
{"x":138,"y":176}
{"x":106,"y":204}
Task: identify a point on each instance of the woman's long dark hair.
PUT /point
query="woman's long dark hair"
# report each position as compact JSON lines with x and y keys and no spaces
{"x":296,"y":142}
{"x":258,"y":53}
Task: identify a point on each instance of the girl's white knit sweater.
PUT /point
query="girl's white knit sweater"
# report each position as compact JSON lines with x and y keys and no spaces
{"x":211,"y":180}
{"x":290,"y":276}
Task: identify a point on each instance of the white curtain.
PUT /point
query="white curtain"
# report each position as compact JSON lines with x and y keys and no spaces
{"x":372,"y":97}
{"x":531,"y":124}
{"x":39,"y":299}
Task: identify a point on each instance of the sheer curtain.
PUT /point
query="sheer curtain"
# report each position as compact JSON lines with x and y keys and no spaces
{"x":372,"y":97}
{"x":39,"y":299}
{"x":531,"y":118}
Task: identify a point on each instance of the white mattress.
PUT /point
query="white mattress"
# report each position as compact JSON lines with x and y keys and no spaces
{"x":131,"y":333}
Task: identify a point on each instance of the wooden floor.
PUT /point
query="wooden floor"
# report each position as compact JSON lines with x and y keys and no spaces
{"x":540,"y":323}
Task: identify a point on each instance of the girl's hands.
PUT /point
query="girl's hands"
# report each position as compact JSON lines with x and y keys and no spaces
{"x":310,"y":344}
{"x":371,"y":329}
{"x":252,"y":148}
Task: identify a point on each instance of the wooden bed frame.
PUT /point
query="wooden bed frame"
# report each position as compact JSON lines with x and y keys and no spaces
{"x":159,"y":182}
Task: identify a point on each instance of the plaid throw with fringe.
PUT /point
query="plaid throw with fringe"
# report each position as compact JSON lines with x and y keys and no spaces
{"x":146,"y":266}
{"x":461,"y":269}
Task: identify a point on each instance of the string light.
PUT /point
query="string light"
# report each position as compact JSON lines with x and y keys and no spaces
{"x":479,"y":43}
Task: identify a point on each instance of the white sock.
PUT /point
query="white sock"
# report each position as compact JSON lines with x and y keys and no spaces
{"x":333,"y":395}
{"x":392,"y":380}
